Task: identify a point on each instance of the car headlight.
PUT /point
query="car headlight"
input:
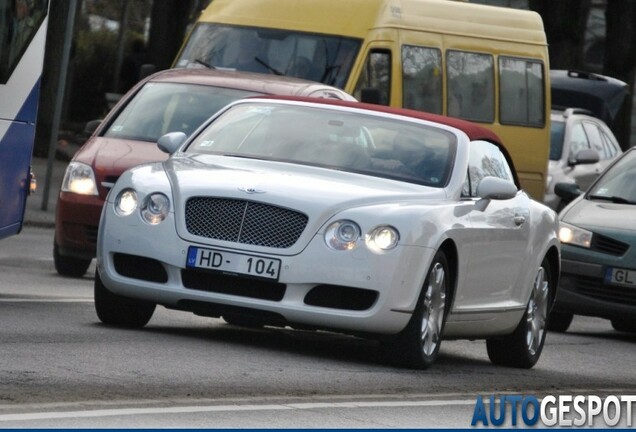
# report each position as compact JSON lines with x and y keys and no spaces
{"x":342,"y":235}
{"x":80,"y":179}
{"x":382,"y":238}
{"x":155,"y":208}
{"x":126,"y":202}
{"x":574,"y":235}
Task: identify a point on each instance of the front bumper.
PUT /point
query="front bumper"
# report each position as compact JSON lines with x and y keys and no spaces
{"x":583,"y":291}
{"x":354,"y":291}
{"x":76,"y":224}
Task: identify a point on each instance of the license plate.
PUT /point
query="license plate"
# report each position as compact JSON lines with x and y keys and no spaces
{"x":622,"y":277}
{"x":234,"y":263}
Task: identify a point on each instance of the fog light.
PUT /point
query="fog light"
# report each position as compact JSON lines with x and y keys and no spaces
{"x":382,"y":238}
{"x":126,"y":202}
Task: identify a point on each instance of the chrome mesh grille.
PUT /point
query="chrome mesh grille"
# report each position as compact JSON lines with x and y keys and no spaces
{"x":244,"y":222}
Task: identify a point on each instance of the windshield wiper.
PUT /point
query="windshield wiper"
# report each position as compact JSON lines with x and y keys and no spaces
{"x":330,"y":74}
{"x":271,"y":69}
{"x":612,"y":198}
{"x":202,"y":63}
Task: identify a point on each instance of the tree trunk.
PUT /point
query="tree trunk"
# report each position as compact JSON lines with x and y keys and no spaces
{"x":565,"y":22}
{"x":620,"y":55}
{"x":58,"y":20}
{"x":169,"y":22}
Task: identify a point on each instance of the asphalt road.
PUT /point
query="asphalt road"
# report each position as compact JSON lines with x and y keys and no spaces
{"x":59,"y":367}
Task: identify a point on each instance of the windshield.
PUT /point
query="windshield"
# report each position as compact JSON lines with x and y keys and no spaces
{"x":159,"y":108}
{"x":326,"y":59}
{"x":335,"y":139}
{"x":618,"y":184}
{"x":557,"y":131}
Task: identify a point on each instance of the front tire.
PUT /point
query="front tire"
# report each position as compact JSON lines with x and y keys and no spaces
{"x":417,"y":346}
{"x":243,"y":321}
{"x":69,"y":266}
{"x":523,"y":347}
{"x":560,"y":321}
{"x":627,"y":326}
{"x":116,"y":310}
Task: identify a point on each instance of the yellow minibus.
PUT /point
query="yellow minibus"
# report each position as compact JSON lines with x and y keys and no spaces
{"x":481,"y":63}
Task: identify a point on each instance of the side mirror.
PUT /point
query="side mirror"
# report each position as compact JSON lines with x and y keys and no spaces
{"x":146,"y":70}
{"x":370,"y":95}
{"x":495,"y":188}
{"x":567,"y":191}
{"x":170,"y":142}
{"x":586,"y":156}
{"x":91,"y":126}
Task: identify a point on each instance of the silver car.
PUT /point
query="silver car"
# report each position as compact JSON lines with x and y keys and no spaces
{"x":581,"y":147}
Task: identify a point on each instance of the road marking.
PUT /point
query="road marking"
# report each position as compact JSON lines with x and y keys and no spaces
{"x":228,"y":408}
{"x":47,"y":300}
{"x":174,"y":406}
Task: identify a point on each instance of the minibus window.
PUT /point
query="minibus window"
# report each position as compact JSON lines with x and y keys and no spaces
{"x":375,"y":78}
{"x":471,"y":90}
{"x":322,"y":58}
{"x":521,"y":92}
{"x":422,"y":79}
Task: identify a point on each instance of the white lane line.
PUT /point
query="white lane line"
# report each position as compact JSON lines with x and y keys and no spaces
{"x":226,"y":408}
{"x":49,"y":300}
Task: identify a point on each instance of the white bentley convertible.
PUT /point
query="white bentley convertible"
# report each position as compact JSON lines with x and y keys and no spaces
{"x":392,"y":224}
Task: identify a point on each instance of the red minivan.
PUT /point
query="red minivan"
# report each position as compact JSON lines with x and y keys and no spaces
{"x":168,"y":101}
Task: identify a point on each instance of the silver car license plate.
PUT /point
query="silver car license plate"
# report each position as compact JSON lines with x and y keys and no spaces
{"x":231,"y":262}
{"x":622,"y":277}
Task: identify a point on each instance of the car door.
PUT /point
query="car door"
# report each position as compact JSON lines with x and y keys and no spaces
{"x":495,"y":248}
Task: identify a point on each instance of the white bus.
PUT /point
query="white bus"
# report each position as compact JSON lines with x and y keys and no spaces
{"x":23,"y":25}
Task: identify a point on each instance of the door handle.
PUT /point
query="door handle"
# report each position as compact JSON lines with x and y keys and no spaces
{"x":519,"y":220}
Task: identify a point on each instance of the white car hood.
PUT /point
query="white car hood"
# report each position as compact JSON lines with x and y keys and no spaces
{"x":317,"y":192}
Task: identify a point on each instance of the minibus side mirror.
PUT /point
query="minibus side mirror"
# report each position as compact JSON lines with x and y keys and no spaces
{"x":146,"y":70}
{"x":370,"y":95}
{"x":91,"y":126}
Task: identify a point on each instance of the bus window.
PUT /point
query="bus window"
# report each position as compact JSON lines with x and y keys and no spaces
{"x":19,"y":20}
{"x":422,"y":78}
{"x":521,"y":92}
{"x":471,"y":90}
{"x":326,"y":59}
{"x":375,"y":77}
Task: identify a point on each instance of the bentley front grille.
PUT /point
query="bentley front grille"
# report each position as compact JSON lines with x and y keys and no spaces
{"x":245,"y":222}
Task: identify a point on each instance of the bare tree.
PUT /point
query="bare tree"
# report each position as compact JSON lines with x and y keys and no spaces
{"x":565,"y":22}
{"x":58,"y":21}
{"x":169,"y":22}
{"x":620,"y":52}
{"x":620,"y":41}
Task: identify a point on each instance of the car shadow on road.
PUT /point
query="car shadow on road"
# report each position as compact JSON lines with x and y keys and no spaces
{"x":324,"y":345}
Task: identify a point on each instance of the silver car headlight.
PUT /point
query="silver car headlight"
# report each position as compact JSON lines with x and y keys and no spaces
{"x":382,"y":238}
{"x":342,"y":235}
{"x":155,"y":208}
{"x":126,"y":202}
{"x":80,"y":179}
{"x":570,"y":234}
